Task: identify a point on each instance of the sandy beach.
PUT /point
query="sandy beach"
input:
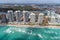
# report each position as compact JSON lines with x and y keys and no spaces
{"x":33,"y":26}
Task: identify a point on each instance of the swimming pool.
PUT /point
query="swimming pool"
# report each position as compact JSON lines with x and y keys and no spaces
{"x":16,"y":33}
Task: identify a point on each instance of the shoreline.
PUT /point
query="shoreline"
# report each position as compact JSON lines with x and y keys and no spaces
{"x":32,"y":26}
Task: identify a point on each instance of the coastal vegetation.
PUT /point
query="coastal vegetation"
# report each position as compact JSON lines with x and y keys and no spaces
{"x":29,"y":8}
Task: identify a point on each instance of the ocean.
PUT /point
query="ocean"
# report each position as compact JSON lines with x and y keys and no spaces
{"x":21,"y":33}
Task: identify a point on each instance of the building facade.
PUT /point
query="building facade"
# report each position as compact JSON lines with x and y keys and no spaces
{"x":18,"y":15}
{"x":25,"y":16}
{"x":40,"y":18}
{"x":32,"y":18}
{"x":10,"y":16}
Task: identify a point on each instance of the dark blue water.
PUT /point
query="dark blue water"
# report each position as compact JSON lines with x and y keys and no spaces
{"x":16,"y":33}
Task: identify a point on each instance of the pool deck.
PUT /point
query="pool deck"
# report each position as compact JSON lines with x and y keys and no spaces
{"x":33,"y":26}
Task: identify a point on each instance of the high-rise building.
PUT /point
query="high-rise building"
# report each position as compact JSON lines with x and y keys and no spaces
{"x":10,"y":15}
{"x":52,"y":19}
{"x":58,"y":18}
{"x":26,"y":16}
{"x":7,"y":16}
{"x":53,"y":13}
{"x":32,"y":18}
{"x":48,"y":13}
{"x":4,"y":19}
{"x":18,"y":15}
{"x":40,"y":18}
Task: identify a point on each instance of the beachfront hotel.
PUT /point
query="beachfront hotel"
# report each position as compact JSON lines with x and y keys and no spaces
{"x":10,"y":16}
{"x":40,"y":18}
{"x":54,"y":18}
{"x":18,"y":15}
{"x":32,"y":17}
{"x":25,"y":17}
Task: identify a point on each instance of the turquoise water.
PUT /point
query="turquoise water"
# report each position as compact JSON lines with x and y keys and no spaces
{"x":16,"y":33}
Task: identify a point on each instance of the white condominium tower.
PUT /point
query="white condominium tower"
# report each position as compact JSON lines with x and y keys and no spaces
{"x":53,"y":19}
{"x":10,"y":16}
{"x":32,"y":18}
{"x":25,"y":16}
{"x":57,"y":18}
{"x":40,"y":18}
{"x":53,"y":13}
{"x":48,"y":13}
{"x":52,"y":16}
{"x":18,"y":15}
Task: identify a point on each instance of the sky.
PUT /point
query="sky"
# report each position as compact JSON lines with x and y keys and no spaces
{"x":30,"y":1}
